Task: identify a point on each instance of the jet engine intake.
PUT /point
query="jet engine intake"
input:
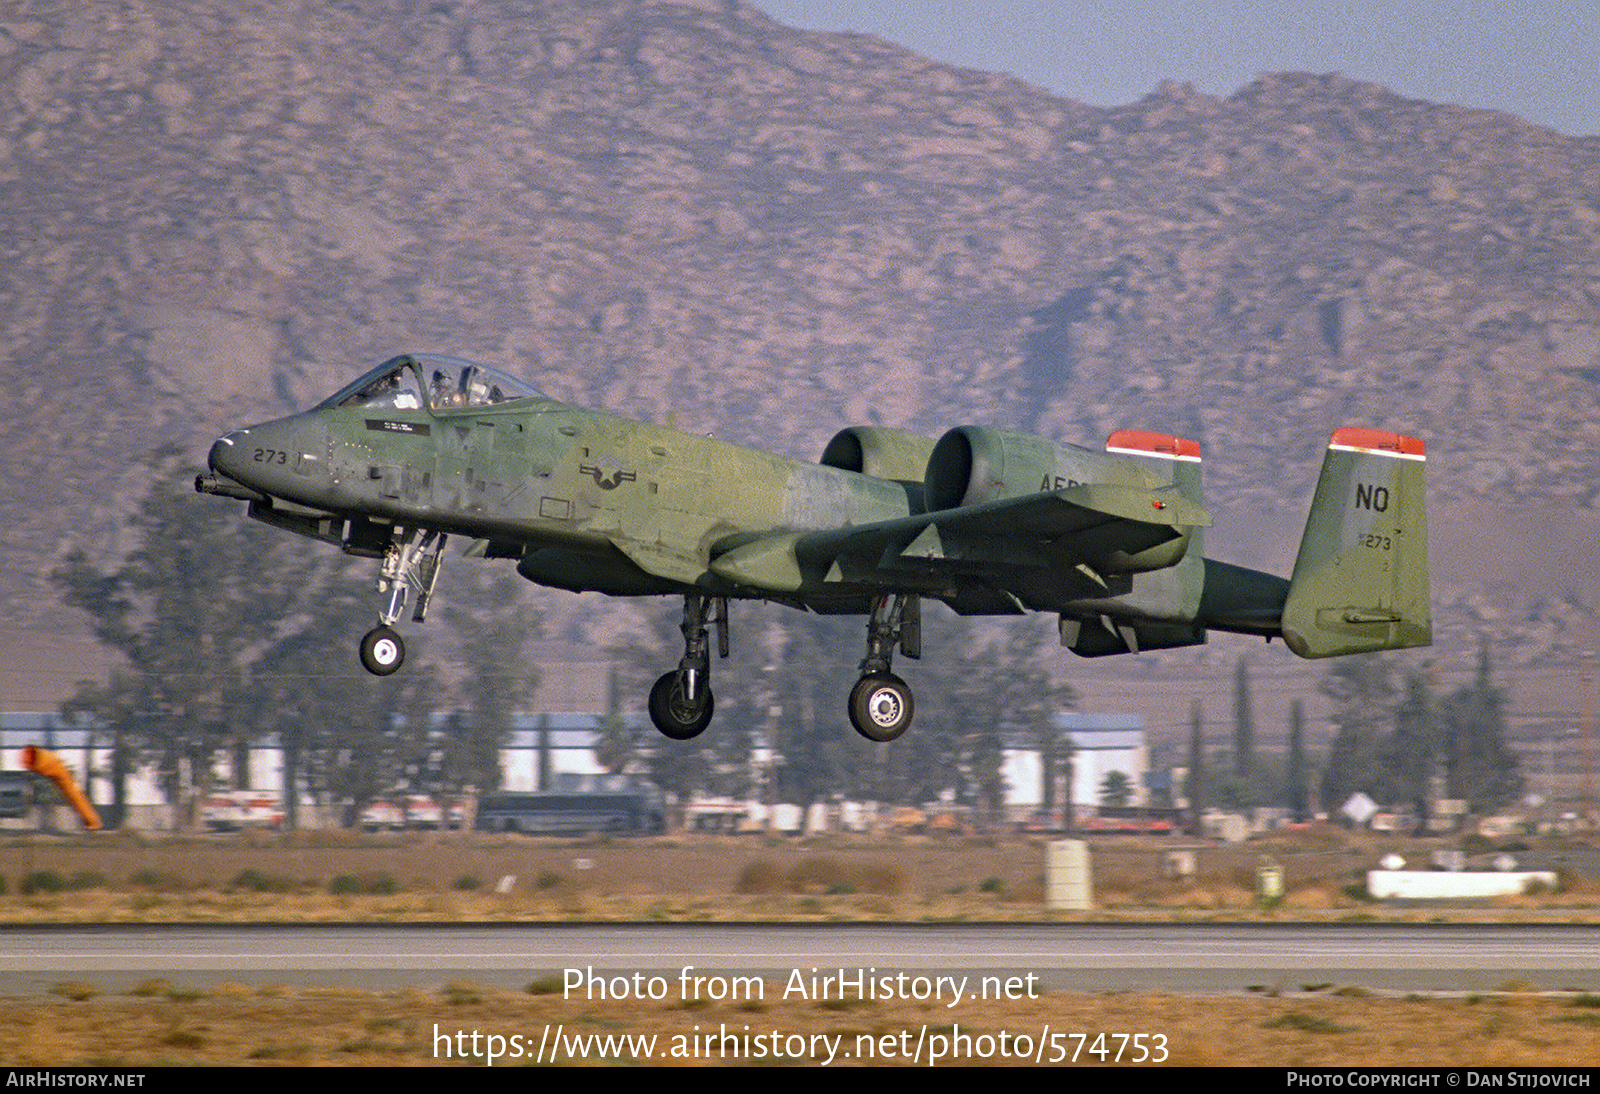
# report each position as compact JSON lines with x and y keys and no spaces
{"x":879,"y":451}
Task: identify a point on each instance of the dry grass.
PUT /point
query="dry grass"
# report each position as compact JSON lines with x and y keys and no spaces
{"x":327,"y":877}
{"x":233,"y":1024}
{"x":324,"y":877}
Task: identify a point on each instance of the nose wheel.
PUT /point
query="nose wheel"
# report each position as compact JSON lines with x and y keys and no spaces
{"x":382,"y":651}
{"x":410,"y":568}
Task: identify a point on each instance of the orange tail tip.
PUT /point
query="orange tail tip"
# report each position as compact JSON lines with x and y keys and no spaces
{"x":1379,"y":442}
{"x":48,"y":764}
{"x":1139,"y":442}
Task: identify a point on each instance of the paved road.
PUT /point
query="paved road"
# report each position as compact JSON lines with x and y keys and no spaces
{"x":1096,"y":957}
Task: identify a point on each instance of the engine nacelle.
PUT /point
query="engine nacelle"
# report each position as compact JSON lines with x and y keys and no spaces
{"x":879,"y":451}
{"x":973,"y":464}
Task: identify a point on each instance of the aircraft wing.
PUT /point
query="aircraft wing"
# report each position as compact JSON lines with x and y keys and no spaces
{"x":1095,"y":528}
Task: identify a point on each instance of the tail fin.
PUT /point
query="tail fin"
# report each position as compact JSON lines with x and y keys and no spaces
{"x":1361,"y":579}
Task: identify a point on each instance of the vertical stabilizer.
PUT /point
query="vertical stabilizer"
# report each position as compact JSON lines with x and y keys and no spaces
{"x":1361,"y":579}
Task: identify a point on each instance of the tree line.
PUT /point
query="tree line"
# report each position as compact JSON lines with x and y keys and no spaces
{"x":1402,"y":743}
{"x":1396,"y":738}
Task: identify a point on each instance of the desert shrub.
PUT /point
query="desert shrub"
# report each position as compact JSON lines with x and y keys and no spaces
{"x":459,"y":994}
{"x":759,"y":877}
{"x":42,"y":881}
{"x":251,"y":880}
{"x":184,"y":1038}
{"x":383,"y":884}
{"x":819,"y":873}
{"x":828,"y":875}
{"x":379,"y":884}
{"x":1357,"y":890}
{"x":1306,"y":1023}
{"x":274,"y":1051}
{"x":159,"y":881}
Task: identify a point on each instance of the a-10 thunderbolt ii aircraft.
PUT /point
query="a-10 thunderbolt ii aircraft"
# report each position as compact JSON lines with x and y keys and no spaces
{"x":989,"y":521}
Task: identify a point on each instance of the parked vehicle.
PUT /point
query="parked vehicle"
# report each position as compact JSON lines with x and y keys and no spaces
{"x":233,"y":810}
{"x":1133,"y":820}
{"x":602,"y":804}
{"x":382,"y":815}
{"x":16,"y":795}
{"x":413,"y":812}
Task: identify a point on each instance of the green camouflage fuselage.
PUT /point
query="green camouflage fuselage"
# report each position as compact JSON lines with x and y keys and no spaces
{"x":990,"y":521}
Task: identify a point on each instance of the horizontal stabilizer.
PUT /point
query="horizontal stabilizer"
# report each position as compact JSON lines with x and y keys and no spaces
{"x":1138,"y":442}
{"x":1360,"y":581}
{"x":1072,"y":512}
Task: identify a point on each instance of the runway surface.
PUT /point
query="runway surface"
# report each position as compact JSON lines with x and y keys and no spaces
{"x":1065,"y":956}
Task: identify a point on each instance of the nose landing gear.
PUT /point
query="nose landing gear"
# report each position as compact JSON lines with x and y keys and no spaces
{"x":382,"y":651}
{"x":410,"y":565}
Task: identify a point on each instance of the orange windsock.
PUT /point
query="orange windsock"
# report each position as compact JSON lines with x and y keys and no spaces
{"x":49,"y":765}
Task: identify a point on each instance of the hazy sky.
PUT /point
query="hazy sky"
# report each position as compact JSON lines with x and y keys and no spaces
{"x":1535,"y":59}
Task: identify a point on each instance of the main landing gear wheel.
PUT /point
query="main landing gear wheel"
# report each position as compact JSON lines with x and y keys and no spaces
{"x":675,"y":714}
{"x":880,"y":706}
{"x":382,"y":651}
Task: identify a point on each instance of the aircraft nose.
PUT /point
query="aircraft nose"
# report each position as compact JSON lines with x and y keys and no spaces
{"x":228,"y":456}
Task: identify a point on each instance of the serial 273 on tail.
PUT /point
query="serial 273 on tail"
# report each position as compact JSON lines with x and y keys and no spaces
{"x":990,"y":521}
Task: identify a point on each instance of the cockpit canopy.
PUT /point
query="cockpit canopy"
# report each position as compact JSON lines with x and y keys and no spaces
{"x":434,"y":380}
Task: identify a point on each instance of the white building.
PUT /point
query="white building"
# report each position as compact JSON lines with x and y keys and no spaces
{"x":1101,"y":744}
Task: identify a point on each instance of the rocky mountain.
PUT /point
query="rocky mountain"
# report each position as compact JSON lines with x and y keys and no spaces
{"x":213,"y":213}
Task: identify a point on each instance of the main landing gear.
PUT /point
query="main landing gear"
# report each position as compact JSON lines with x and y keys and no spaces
{"x":880,"y":703}
{"x":681,"y":703}
{"x":410,"y":565}
{"x":881,"y":706}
